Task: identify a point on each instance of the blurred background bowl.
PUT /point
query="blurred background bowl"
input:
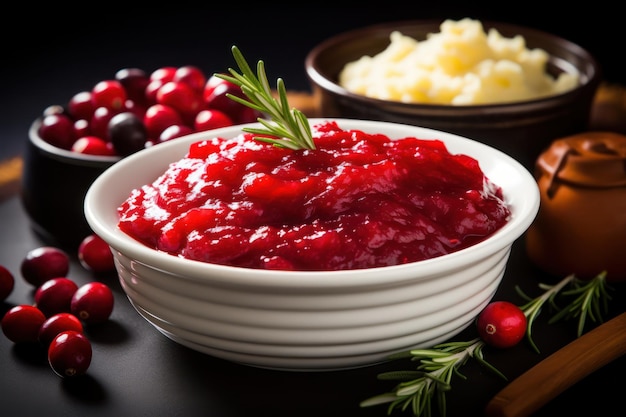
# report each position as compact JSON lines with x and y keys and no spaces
{"x":53,"y":188}
{"x":296,"y":320}
{"x":520,"y":129}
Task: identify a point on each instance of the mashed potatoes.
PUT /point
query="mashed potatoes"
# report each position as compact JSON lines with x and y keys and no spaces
{"x":461,"y":65}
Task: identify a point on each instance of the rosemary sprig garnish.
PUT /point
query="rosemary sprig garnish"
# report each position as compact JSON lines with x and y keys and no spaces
{"x":289,"y":126}
{"x":432,"y":378}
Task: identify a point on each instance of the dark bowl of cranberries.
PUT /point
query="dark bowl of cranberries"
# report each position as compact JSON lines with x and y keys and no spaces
{"x":71,"y":144}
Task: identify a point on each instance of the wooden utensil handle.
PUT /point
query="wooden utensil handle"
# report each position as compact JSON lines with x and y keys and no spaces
{"x":537,"y":386}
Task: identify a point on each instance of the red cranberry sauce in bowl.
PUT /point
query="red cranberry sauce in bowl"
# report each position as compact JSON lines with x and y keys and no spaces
{"x":359,"y":200}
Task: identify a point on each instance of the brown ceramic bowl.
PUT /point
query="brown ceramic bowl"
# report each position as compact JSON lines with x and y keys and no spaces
{"x":54,"y":184}
{"x":521,"y":129}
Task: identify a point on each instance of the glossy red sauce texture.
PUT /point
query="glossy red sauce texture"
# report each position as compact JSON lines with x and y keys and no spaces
{"x":359,"y":200}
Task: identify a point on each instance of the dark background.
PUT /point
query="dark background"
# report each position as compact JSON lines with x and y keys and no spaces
{"x":52,"y":51}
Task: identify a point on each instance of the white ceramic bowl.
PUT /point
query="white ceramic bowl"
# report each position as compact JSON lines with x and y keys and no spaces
{"x":309,"y":320}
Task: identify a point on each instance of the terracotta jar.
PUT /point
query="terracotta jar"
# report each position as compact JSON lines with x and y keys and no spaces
{"x":581,"y":224}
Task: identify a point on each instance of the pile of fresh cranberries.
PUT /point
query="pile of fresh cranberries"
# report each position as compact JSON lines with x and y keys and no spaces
{"x":61,"y":309}
{"x":136,"y":109}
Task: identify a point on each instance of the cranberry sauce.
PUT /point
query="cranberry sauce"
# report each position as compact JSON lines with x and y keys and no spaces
{"x":359,"y":200}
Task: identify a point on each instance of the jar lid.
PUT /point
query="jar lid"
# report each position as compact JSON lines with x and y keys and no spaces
{"x":591,"y":159}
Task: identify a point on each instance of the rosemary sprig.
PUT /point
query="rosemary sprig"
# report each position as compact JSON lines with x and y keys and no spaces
{"x":289,"y":126}
{"x":591,"y":301}
{"x":432,"y":378}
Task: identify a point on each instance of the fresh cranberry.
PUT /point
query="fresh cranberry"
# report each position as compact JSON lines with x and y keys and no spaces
{"x":110,"y":94}
{"x":175,"y":131}
{"x":95,"y":254}
{"x":192,"y":76}
{"x":158,"y":117}
{"x":501,"y":324}
{"x":100,"y":122}
{"x":134,"y":81}
{"x":56,"y":324}
{"x":216,"y":97}
{"x":211,"y":119}
{"x":127,"y":133}
{"x":80,"y":105}
{"x":44,"y":263}
{"x":93,"y":303}
{"x":93,"y":145}
{"x":165,"y":74}
{"x":180,"y":96}
{"x":55,"y":296}
{"x":81,"y":128}
{"x":7,"y":283}
{"x":151,"y":92}
{"x":70,"y":353}
{"x":22,"y":322}
{"x":57,"y":130}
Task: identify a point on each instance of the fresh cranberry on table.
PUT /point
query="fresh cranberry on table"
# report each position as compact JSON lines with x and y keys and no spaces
{"x":70,"y":353}
{"x":56,"y":324}
{"x":55,"y":295}
{"x":44,"y":263}
{"x":92,"y":303}
{"x":95,"y":254}
{"x":501,"y":324}
{"x":7,"y":283}
{"x":22,"y":322}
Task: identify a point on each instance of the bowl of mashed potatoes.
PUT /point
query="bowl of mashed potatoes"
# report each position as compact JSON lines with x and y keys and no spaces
{"x":384,"y":238}
{"x":514,"y":88}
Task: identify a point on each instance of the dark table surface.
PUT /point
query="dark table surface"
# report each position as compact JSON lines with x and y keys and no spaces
{"x":136,"y":371}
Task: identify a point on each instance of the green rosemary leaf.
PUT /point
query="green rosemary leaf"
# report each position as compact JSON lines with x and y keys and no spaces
{"x":287,"y":128}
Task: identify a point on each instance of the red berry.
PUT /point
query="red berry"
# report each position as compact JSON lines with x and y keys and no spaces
{"x":58,"y":130}
{"x":158,"y":117}
{"x":56,"y":324}
{"x":216,"y":97}
{"x":44,"y":263}
{"x":211,"y":119}
{"x":95,"y":254}
{"x":21,"y":323}
{"x":93,"y":303}
{"x":99,"y":122}
{"x":135,"y":81}
{"x":93,"y":145}
{"x":69,"y":354}
{"x":180,"y":96}
{"x":80,"y":106}
{"x":165,"y":74}
{"x":174,"y":131}
{"x":7,"y":282}
{"x":81,"y":128}
{"x":501,"y":324}
{"x":55,"y":296}
{"x":110,"y":94}
{"x":192,"y":76}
